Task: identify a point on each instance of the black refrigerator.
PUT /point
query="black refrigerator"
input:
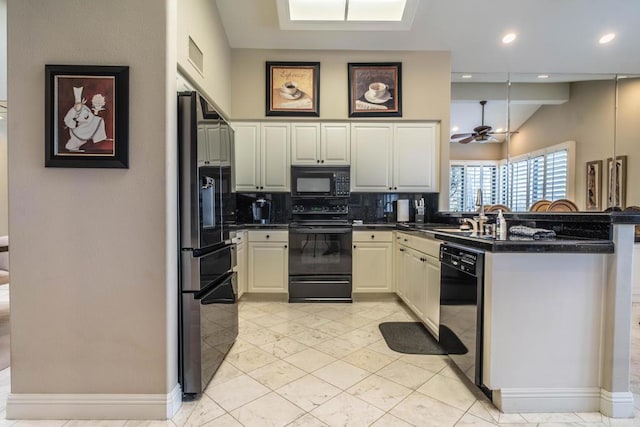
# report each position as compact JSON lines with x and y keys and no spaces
{"x":208,"y":305}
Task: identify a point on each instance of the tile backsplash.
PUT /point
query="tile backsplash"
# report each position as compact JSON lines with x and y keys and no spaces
{"x":369,"y":207}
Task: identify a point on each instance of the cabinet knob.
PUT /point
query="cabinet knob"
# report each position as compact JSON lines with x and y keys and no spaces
{"x":390,"y":188}
{"x":401,"y":250}
{"x":354,"y":246}
{"x":395,"y":188}
{"x":321,"y":161}
{"x":285,"y":246}
{"x":373,"y":236}
{"x":261,"y":187}
{"x":268,"y":236}
{"x":317,"y":161}
{"x":406,"y":240}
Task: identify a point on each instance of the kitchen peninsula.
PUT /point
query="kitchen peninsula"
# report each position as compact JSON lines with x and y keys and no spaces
{"x":548,"y":304}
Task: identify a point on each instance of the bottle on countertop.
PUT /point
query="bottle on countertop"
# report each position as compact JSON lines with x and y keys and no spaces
{"x":501,"y":226}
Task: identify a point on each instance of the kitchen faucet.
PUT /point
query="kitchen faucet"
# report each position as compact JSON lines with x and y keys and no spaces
{"x":481,"y":219}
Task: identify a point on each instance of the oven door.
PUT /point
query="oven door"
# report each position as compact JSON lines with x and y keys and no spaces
{"x":315,"y":251}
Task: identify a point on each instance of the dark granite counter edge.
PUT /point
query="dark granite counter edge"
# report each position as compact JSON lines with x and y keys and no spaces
{"x":629,"y":217}
{"x":594,"y":246}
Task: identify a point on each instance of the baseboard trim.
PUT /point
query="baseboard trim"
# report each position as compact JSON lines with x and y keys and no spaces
{"x":516,"y":400}
{"x":616,"y":404}
{"x":21,"y":406}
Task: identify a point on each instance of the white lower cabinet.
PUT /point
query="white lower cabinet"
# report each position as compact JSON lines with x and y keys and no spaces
{"x":418,"y":278}
{"x":241,"y":262}
{"x":372,"y":261}
{"x":268,"y":261}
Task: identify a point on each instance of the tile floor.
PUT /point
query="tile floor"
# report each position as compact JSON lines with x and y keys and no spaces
{"x":327,"y":365}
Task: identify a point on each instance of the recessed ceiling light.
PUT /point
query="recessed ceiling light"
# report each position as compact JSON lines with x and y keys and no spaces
{"x":508,"y":38}
{"x":607,"y":38}
{"x":543,"y":76}
{"x":455,"y":129}
{"x":466,"y":76}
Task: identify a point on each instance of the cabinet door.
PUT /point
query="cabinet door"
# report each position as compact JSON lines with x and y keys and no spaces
{"x":203,"y":154}
{"x":247,"y":156}
{"x":400,"y":272}
{"x":416,"y":270}
{"x":305,"y":144}
{"x":275,"y":165}
{"x":415,"y":157}
{"x":372,"y":267}
{"x":213,"y":144}
{"x":432,"y":310}
{"x":371,"y":157}
{"x":241,"y":267}
{"x":268,"y":267}
{"x":335,"y":144}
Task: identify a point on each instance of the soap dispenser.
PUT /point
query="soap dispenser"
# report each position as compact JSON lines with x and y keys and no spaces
{"x":501,"y":226}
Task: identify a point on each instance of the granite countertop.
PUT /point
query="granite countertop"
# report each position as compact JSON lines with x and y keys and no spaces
{"x":512,"y":244}
{"x":261,"y":226}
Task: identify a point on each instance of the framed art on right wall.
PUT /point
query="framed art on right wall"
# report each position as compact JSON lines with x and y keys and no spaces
{"x":617,"y":182}
{"x":593,"y":176}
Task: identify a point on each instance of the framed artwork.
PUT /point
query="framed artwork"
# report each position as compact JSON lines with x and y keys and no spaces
{"x":594,"y":182}
{"x":617,"y":182}
{"x":375,"y":89}
{"x":86,"y":116}
{"x":293,"y":89}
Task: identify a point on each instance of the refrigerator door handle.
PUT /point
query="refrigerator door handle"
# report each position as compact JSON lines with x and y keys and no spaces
{"x":220,"y":291}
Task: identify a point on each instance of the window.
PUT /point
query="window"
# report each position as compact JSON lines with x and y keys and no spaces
{"x":542,"y":174}
{"x":466,"y":179}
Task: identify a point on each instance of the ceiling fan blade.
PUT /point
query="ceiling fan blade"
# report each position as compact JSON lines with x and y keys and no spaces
{"x":460,"y":135}
{"x":502,"y":133}
{"x":467,"y":140}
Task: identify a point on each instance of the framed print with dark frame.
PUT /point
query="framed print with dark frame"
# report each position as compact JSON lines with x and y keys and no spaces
{"x":86,"y":116}
{"x":593,"y":178}
{"x":617,"y":187}
{"x":375,"y":89}
{"x":293,"y":89}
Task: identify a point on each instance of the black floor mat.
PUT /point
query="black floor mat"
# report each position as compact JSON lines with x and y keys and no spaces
{"x":413,"y":338}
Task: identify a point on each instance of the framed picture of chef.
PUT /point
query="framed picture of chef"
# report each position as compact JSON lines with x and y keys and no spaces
{"x":375,"y":89}
{"x":86,"y":116}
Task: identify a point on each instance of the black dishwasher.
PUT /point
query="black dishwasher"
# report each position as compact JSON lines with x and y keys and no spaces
{"x":461,"y":305}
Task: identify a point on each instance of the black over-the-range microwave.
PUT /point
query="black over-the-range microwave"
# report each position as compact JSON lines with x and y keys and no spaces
{"x":321,"y":181}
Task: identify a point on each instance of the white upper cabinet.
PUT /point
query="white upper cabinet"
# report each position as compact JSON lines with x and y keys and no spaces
{"x":371,"y":156}
{"x":320,"y":144}
{"x":247,"y":156}
{"x":275,"y":156}
{"x":305,"y":143}
{"x":415,"y":157}
{"x":396,"y":157}
{"x":262,"y":156}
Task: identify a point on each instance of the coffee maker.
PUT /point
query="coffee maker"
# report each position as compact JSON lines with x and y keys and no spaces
{"x":261,"y":211}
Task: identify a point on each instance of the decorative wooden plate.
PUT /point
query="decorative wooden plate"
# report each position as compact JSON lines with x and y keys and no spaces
{"x":540,"y":206}
{"x":563,"y":205}
{"x":496,"y":208}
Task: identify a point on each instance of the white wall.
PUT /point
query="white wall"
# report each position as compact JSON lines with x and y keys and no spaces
{"x":200,"y":20}
{"x":4,"y":199}
{"x":3,"y":50}
{"x":93,"y":265}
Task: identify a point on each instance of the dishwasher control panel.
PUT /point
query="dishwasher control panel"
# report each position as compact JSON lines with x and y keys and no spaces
{"x":460,"y":258}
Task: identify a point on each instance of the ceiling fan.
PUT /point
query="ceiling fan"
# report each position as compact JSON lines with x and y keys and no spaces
{"x":480,"y":133}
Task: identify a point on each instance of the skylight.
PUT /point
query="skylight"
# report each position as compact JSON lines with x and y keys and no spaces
{"x":346,"y":15}
{"x":346,"y":10}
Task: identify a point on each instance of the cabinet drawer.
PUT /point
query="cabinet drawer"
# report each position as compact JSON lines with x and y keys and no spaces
{"x":425,"y":244}
{"x":372,"y":236}
{"x":268,"y":235}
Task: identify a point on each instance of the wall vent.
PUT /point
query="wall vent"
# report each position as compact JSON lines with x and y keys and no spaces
{"x":196,"y":56}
